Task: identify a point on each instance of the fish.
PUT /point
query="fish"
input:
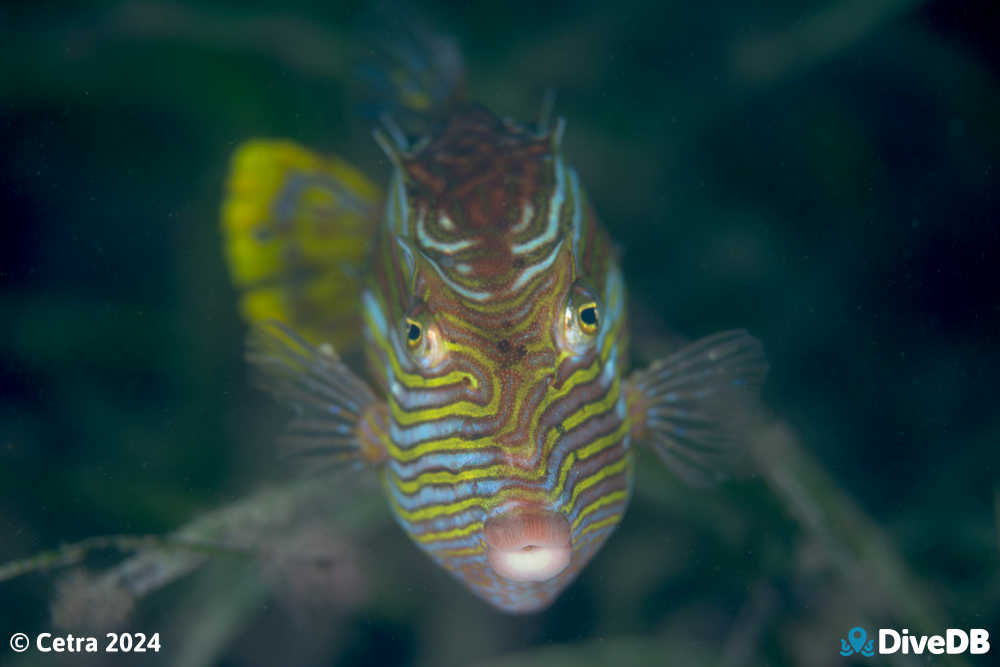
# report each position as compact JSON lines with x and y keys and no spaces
{"x":495,"y":400}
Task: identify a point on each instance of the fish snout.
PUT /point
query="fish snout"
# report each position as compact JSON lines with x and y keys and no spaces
{"x":528,"y":544}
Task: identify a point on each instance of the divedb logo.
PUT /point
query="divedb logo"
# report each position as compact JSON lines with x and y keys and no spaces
{"x":975,"y":641}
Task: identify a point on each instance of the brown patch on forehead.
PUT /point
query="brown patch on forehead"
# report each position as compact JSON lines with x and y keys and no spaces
{"x":479,"y":171}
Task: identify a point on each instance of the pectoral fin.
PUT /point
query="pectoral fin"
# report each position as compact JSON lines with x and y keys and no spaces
{"x":686,"y":406}
{"x":338,"y":418}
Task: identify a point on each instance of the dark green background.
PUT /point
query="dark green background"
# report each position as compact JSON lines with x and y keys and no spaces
{"x":822,"y":174}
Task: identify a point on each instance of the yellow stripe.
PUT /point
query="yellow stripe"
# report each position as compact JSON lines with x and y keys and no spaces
{"x":591,"y":409}
{"x":450,"y":534}
{"x":567,"y":465}
{"x":473,"y":352}
{"x":510,"y":304}
{"x":615,"y":518}
{"x":462,"y":444}
{"x":602,"y":474}
{"x":468,"y":551}
{"x":598,"y":504}
{"x":593,"y":448}
{"x":596,"y":446}
{"x":432,"y":511}
{"x":523,"y":324}
{"x":414,"y":379}
{"x":578,"y":377}
{"x":456,"y":409}
{"x":447,"y":444}
{"x":411,"y":487}
{"x":475,"y":410}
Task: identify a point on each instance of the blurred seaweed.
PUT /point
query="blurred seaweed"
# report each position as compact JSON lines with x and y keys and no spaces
{"x":821,"y":173}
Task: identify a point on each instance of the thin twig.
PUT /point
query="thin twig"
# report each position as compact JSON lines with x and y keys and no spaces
{"x":72,"y":554}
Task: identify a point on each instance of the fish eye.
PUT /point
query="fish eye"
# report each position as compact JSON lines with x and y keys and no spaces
{"x":582,"y":318}
{"x":587,"y":315}
{"x":414,"y":333}
{"x":422,"y":336}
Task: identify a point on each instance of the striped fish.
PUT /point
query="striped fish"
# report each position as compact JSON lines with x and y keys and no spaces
{"x":498,"y":410}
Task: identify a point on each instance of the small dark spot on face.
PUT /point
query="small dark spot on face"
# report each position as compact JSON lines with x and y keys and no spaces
{"x":504,"y":346}
{"x":521,"y":351}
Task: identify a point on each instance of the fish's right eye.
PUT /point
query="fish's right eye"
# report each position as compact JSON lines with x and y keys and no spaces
{"x":423,"y":337}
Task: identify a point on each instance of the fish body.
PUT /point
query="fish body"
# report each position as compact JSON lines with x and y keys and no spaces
{"x":498,"y":410}
{"x":508,"y":404}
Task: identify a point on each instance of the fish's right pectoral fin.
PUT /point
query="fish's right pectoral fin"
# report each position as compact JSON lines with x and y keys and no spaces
{"x":688,"y":406}
{"x":338,"y":420}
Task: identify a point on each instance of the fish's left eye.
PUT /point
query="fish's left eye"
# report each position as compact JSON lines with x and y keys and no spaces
{"x":587,"y":315}
{"x":414,"y":333}
{"x":582,"y":319}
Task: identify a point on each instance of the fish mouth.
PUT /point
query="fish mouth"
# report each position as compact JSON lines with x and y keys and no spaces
{"x":528,"y":545}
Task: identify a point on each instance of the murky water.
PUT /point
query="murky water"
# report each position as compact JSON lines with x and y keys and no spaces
{"x":822,"y":175}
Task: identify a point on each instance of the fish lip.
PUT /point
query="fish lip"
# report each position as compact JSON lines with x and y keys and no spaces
{"x":528,"y":544}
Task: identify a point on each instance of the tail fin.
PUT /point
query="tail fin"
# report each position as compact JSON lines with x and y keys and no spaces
{"x":297,"y":228}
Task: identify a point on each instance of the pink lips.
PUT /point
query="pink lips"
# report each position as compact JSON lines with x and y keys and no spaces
{"x":528,"y":545}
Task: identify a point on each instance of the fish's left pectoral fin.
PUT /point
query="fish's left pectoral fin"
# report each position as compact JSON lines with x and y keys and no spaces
{"x":338,"y":420}
{"x":688,"y":407}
